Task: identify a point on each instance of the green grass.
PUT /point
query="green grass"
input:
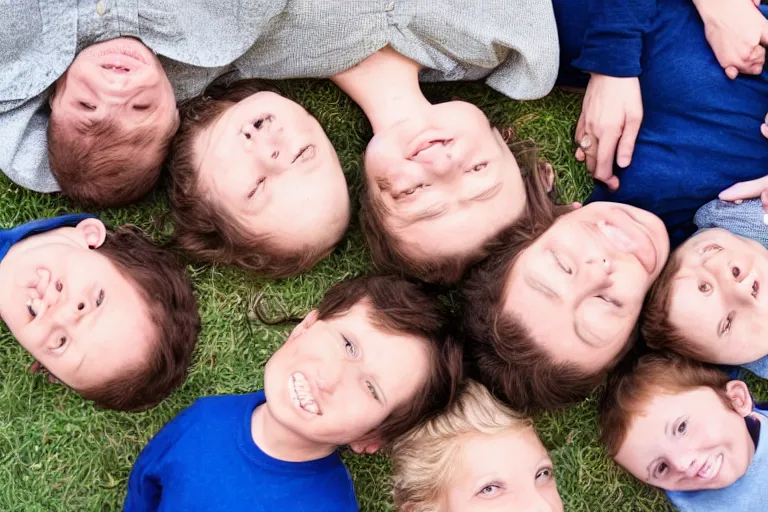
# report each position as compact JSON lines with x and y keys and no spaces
{"x":57,"y":453}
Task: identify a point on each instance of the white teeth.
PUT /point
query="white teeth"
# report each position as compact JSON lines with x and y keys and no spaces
{"x":300,"y":393}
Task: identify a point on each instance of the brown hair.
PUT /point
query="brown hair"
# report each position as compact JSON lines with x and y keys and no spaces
{"x":629,"y":390}
{"x":424,"y":459}
{"x":404,"y":307}
{"x":656,"y":328}
{"x":501,"y":350}
{"x":98,"y":165}
{"x":203,"y":227}
{"x":386,"y":248}
{"x":167,"y":290}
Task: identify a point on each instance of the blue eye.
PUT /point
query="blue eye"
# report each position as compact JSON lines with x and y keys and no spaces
{"x":349,"y":347}
{"x":489,"y":491}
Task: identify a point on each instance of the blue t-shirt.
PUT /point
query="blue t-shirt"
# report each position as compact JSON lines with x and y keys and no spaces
{"x":8,"y":237}
{"x":205,"y":460}
{"x":700,"y":131}
{"x":747,"y":494}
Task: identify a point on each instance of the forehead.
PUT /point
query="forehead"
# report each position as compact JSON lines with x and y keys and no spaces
{"x":491,"y":453}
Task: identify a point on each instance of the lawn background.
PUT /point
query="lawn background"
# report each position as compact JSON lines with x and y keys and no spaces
{"x":57,"y":453}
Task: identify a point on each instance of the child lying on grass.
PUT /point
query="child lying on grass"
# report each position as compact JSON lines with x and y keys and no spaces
{"x":460,"y":461}
{"x":685,"y":427}
{"x":363,"y":368}
{"x":106,"y":312}
{"x":709,"y":301}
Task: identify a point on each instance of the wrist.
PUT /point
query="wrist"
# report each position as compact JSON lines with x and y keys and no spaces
{"x":706,"y":10}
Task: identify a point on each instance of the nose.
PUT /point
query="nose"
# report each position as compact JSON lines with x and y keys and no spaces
{"x":737,"y":281}
{"x":72,"y":308}
{"x":410,"y":178}
{"x":686,"y":464}
{"x":328,"y":376}
{"x":599,"y":266}
{"x":532,"y":502}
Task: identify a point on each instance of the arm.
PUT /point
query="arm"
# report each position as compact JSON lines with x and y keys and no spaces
{"x":24,"y":148}
{"x":145,"y":484}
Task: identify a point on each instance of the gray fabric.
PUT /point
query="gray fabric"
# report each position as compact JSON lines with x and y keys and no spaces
{"x":745,"y":219}
{"x":511,"y":43}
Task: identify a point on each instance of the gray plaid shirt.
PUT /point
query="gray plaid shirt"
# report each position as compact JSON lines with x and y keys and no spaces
{"x":511,"y":43}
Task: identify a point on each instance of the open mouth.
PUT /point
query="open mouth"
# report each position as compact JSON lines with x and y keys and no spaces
{"x":430,"y":144}
{"x":305,"y":153}
{"x":301,"y":395}
{"x":710,"y":469}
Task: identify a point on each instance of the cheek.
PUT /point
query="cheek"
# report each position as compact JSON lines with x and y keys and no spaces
{"x":552,"y":497}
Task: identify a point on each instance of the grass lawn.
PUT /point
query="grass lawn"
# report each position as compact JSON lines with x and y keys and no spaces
{"x":57,"y":453}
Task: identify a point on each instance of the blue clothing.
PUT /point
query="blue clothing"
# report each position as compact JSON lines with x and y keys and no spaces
{"x":748,"y":494}
{"x":745,"y":219}
{"x":8,"y":237}
{"x":205,"y":460}
{"x":700,"y":131}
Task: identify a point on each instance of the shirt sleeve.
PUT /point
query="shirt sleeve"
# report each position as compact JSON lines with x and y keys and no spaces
{"x":24,"y":143}
{"x":145,"y":484}
{"x":613,"y":42}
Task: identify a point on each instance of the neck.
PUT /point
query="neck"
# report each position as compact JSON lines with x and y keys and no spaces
{"x":281,"y":443}
{"x":386,"y":86}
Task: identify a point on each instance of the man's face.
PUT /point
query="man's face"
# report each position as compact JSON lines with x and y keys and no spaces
{"x":71,"y":308}
{"x":717,"y":297}
{"x":690,"y":441}
{"x":334,"y":381}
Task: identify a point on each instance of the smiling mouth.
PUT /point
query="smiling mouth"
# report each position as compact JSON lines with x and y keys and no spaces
{"x":710,"y":469}
{"x":429,"y":144}
{"x":301,"y":395}
{"x":305,"y":153}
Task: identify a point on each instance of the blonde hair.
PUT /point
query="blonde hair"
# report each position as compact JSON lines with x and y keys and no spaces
{"x":423,"y":458}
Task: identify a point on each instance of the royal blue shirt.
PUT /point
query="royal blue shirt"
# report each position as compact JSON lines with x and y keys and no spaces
{"x":747,"y":494}
{"x":205,"y":460}
{"x":8,"y":237}
{"x":700,"y":132}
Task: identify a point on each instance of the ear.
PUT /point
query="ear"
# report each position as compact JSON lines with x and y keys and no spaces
{"x":93,"y":232}
{"x":367,"y":445}
{"x":741,"y":399}
{"x":304,"y":326}
{"x":549,"y":177}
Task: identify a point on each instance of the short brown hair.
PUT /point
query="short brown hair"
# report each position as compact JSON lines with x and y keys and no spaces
{"x":386,"y":248}
{"x":655,"y":326}
{"x":630,"y":389}
{"x":501,"y":350}
{"x":424,"y":459}
{"x":205,"y":229}
{"x":98,"y":164}
{"x":167,"y":290}
{"x":405,"y":307}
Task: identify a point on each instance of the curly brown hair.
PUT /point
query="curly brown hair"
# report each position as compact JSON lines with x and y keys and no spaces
{"x":164,"y":284}
{"x":203,"y":227}
{"x":386,"y":248}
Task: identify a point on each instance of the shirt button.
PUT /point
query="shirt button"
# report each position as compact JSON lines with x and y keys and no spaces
{"x":101,"y":7}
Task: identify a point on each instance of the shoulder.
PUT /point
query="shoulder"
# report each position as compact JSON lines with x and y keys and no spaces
{"x":745,"y":219}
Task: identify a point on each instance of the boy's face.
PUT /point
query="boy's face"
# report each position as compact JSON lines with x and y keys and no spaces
{"x":717,"y":298}
{"x":336,"y":380}
{"x":484,"y":479}
{"x":269,"y":163}
{"x":120,"y":80}
{"x":70,"y":307}
{"x":581,"y":284}
{"x":447,"y":180}
{"x":691,"y":440}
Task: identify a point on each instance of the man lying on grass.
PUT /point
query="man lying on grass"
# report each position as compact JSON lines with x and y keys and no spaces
{"x":108,"y":313}
{"x":687,"y":428}
{"x":368,"y":364}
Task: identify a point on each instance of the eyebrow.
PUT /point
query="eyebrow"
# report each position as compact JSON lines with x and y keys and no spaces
{"x":430,"y":213}
{"x":542,"y":288}
{"x":487,"y":194}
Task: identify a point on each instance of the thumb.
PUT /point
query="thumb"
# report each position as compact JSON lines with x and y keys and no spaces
{"x":613,"y":183}
{"x":731,"y":72}
{"x":743,"y":190}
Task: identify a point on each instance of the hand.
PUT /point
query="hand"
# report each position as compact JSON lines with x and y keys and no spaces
{"x":39,"y":368}
{"x":735,"y":30}
{"x":610,"y":116}
{"x":747,"y":190}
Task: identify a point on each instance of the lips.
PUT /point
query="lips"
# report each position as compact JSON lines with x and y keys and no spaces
{"x":426,"y":144}
{"x":626,"y":235}
{"x":301,"y":394}
{"x":710,"y":469}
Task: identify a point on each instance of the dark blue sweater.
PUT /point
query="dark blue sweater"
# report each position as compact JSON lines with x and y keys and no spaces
{"x":8,"y":237}
{"x":700,"y":131}
{"x":205,"y":460}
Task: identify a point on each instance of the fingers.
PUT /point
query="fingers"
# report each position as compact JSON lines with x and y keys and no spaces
{"x":606,"y":150}
{"x":744,"y":190}
{"x":731,"y":72}
{"x":36,"y":367}
{"x":578,"y":135}
{"x":628,"y":137}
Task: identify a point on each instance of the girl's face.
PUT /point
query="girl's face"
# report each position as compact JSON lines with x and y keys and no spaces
{"x":268,"y":162}
{"x":510,"y":470}
{"x":446,"y":180}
